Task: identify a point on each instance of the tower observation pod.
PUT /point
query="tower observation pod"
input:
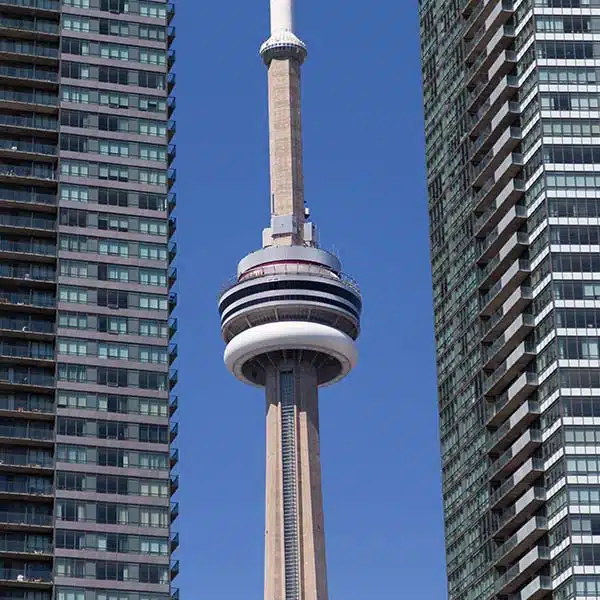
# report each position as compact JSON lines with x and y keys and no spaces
{"x":290,"y":321}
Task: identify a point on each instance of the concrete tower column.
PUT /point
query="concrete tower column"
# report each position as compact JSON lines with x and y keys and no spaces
{"x":295,"y":562}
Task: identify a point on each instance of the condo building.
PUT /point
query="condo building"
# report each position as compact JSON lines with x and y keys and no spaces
{"x":87,"y":462}
{"x":512,"y":125}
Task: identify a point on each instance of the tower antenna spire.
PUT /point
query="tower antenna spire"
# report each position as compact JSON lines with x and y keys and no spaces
{"x":282,"y":16}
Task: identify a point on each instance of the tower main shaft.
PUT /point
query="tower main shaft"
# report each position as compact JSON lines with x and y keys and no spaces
{"x":290,"y":321}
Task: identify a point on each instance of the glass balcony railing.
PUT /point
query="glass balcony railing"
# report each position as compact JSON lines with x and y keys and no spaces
{"x":23,"y":487}
{"x":22,"y":460}
{"x":36,"y":404}
{"x":33,"y":351}
{"x":24,"y":547}
{"x":25,"y":575}
{"x":173,"y":405}
{"x":28,"y":24}
{"x":26,"y":432}
{"x":27,"y":247}
{"x":34,"y":171}
{"x":26,"y":326}
{"x":39,"y":299}
{"x":26,"y":378}
{"x":30,"y":48}
{"x":28,"y":222}
{"x":174,"y":511}
{"x":36,"y":97}
{"x":29,"y":147}
{"x":29,"y":273}
{"x":42,"y":4}
{"x":26,"y":197}
{"x":34,"y":122}
{"x":36,"y":74}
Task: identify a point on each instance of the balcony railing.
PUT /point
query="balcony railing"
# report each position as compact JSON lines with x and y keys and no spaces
{"x":24,"y":547}
{"x":28,"y":147}
{"x":26,"y":197}
{"x":31,"y":247}
{"x":34,"y":171}
{"x":26,"y":432}
{"x":30,"y":378}
{"x":30,"y":489}
{"x":28,"y":222}
{"x":28,"y":48}
{"x":174,"y":511}
{"x":20,"y":460}
{"x":25,"y":575}
{"x":28,"y":25}
{"x":21,"y":518}
{"x":37,"y":122}
{"x":38,"y":299}
{"x":42,"y":4}
{"x":173,"y":405}
{"x":41,"y":98}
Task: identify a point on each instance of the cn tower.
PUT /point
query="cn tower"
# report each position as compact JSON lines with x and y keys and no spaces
{"x":290,"y":321}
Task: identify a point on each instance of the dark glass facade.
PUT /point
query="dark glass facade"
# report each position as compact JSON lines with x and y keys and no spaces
{"x":87,"y":461}
{"x":513,"y":165}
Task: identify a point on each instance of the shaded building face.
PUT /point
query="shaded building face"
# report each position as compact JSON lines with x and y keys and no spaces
{"x":86,"y":276}
{"x":513,"y":166}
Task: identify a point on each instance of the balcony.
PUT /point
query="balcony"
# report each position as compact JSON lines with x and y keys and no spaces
{"x":522,"y":449}
{"x":22,"y":327}
{"x":517,"y":483}
{"x":172,"y":276}
{"x":174,"y":542}
{"x":174,"y":458}
{"x":520,"y":512}
{"x":171,"y":203}
{"x":173,"y":378}
{"x":171,"y":35}
{"x":174,"y":569}
{"x":37,"y":300}
{"x":26,"y":224}
{"x":36,"y":173}
{"x":33,"y":578}
{"x":174,"y":511}
{"x":496,"y":81}
{"x":31,"y":49}
{"x":171,"y":82}
{"x":25,"y":520}
{"x":172,"y":226}
{"x":173,"y":484}
{"x":171,"y":59}
{"x":174,"y":594}
{"x":171,"y":130}
{"x":530,"y":533}
{"x":508,"y":402}
{"x":500,"y":319}
{"x":503,"y":189}
{"x":35,"y":200}
{"x":171,"y":178}
{"x":493,"y":43}
{"x":494,"y":268}
{"x":494,"y":235}
{"x":32,"y":434}
{"x":18,"y":123}
{"x":29,"y":28}
{"x":16,"y":149}
{"x":513,"y":427}
{"x":32,"y":247}
{"x":8,"y":489}
{"x":25,"y":379}
{"x":505,"y":144}
{"x":493,"y":355}
{"x":486,"y":113}
{"x":19,"y":548}
{"x":173,"y":405}
{"x":518,"y":574}
{"x":173,"y":432}
{"x":540,"y":587}
{"x":518,"y":359}
{"x":508,"y":283}
{"x":26,"y":351}
{"x":172,"y":327}
{"x":172,"y":302}
{"x":171,"y":106}
{"x":52,"y":6}
{"x":487,"y":13}
{"x":170,"y":13}
{"x":172,"y":252}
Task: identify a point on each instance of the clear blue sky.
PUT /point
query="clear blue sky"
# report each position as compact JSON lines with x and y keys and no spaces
{"x":364,"y":167}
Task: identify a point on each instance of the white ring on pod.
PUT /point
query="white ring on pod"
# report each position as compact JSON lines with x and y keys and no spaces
{"x":290,"y":335}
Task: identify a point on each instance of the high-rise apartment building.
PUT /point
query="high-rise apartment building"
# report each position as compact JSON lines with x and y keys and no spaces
{"x":513,"y":158}
{"x":86,"y":351}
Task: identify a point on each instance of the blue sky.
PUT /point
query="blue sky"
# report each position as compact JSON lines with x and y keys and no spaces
{"x":364,"y":167}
